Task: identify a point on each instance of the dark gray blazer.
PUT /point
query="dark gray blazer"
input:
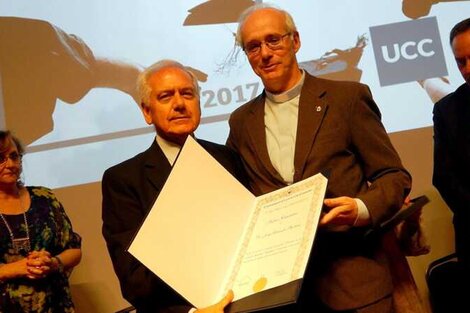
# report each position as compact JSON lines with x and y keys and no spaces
{"x":452,"y":163}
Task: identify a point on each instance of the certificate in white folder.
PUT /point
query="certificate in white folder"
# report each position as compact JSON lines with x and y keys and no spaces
{"x":206,"y":233}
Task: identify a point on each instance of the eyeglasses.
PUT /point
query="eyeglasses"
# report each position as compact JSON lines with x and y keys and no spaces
{"x":273,"y":42}
{"x":14,"y":156}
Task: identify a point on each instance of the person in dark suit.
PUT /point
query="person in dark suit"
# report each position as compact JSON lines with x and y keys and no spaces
{"x":451,"y":116}
{"x":170,"y":101}
{"x":301,"y":125}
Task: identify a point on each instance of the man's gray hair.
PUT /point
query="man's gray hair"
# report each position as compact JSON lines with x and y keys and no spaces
{"x":290,"y":24}
{"x":145,"y":91}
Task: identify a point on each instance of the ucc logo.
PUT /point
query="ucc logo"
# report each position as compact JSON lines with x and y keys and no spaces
{"x":409,"y":50}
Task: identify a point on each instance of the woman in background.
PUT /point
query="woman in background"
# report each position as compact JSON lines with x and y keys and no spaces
{"x":38,"y":247}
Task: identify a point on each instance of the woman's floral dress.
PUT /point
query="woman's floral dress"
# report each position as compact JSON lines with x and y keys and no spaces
{"x":49,"y":229}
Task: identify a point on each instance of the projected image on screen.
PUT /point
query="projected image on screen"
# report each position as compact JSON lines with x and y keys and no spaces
{"x":420,"y":8}
{"x":68,"y":70}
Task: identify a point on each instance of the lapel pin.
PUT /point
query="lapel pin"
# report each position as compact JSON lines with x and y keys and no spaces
{"x":318,"y":108}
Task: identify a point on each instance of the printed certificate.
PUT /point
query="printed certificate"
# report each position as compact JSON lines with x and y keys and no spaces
{"x":206,"y":233}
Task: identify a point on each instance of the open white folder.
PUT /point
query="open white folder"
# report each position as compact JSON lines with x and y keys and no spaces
{"x":206,"y":233}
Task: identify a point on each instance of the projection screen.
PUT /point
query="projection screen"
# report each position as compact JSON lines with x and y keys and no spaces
{"x":68,"y":68}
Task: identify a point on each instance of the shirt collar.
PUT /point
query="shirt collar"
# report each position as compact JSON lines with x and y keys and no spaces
{"x":170,"y":149}
{"x":289,"y":94}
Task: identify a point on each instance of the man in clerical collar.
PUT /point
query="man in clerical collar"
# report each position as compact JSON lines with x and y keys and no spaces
{"x":301,"y":125}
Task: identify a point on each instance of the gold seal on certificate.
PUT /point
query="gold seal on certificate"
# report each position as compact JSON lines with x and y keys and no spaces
{"x":260,"y":284}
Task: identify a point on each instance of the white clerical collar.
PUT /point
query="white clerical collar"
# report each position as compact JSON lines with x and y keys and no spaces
{"x":170,"y":149}
{"x":289,"y":94}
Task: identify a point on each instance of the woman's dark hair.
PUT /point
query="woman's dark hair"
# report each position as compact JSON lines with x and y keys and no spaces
{"x":6,"y":138}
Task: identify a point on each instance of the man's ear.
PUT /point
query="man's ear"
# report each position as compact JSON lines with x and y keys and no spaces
{"x":147,"y":113}
{"x":296,"y":41}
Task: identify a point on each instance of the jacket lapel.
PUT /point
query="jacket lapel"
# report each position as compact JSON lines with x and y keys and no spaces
{"x":462,"y":95}
{"x":157,"y":167}
{"x":312,"y":110}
